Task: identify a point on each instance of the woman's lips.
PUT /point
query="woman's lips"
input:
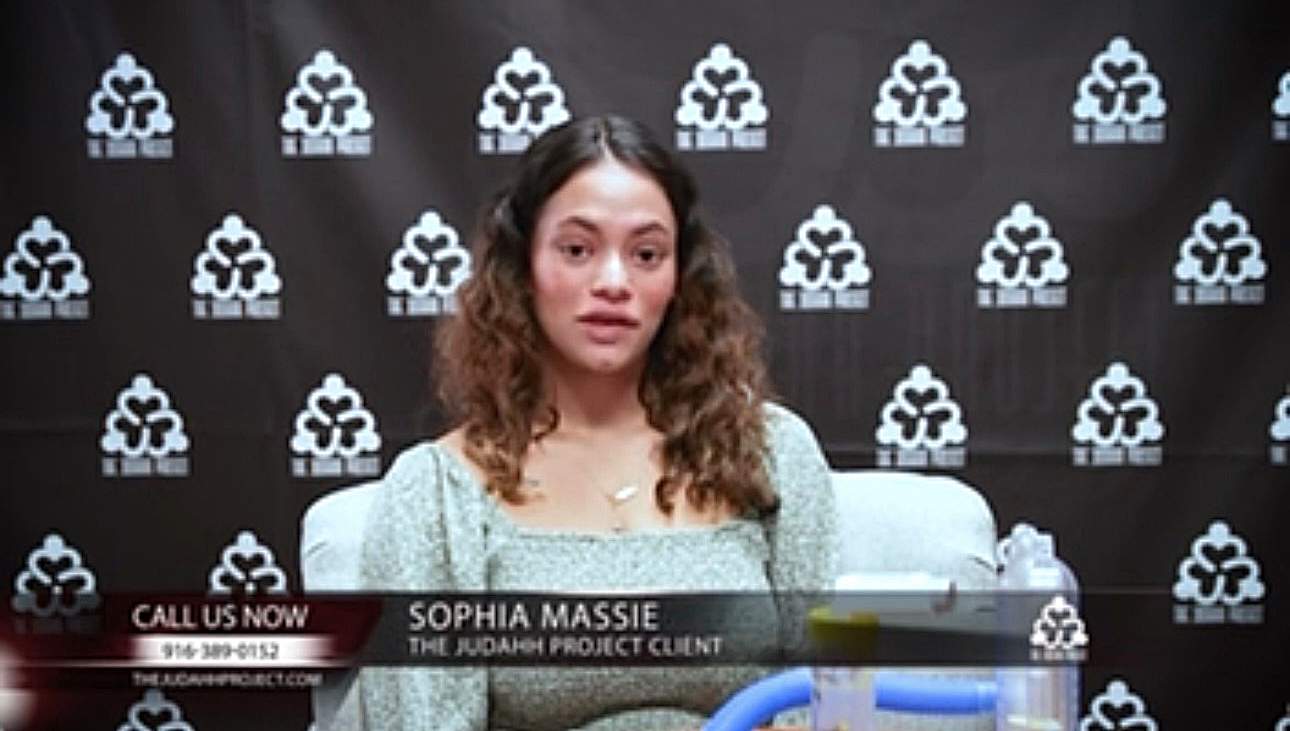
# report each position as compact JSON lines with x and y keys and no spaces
{"x":606,"y":328}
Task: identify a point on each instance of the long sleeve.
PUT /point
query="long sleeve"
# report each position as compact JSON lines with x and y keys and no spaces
{"x":425,"y":532}
{"x":803,"y":534}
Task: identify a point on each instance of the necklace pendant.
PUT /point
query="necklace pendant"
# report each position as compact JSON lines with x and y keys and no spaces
{"x":623,"y":494}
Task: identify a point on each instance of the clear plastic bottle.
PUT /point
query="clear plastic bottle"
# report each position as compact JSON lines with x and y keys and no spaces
{"x":1035,"y":698}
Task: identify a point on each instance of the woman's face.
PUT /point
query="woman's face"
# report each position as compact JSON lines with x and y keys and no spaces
{"x":603,"y":260}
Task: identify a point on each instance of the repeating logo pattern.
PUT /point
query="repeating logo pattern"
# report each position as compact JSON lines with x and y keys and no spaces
{"x":427,"y":269}
{"x":921,"y":424}
{"x":143,"y":434}
{"x":721,"y":105}
{"x":335,"y":435}
{"x":43,"y":277}
{"x":522,"y":102}
{"x":1117,"y":709}
{"x":824,"y":266}
{"x":920,"y":103}
{"x":234,"y":276}
{"x":1022,"y":265}
{"x":1119,"y":100}
{"x":55,"y":588}
{"x":247,"y":568}
{"x":325,"y":114}
{"x":129,"y":116}
{"x":1117,"y":423}
{"x":1221,"y":261}
{"x":1218,"y":581}
{"x":1058,"y":633}
{"x":155,"y":712}
{"x":1279,"y":430}
{"x":1281,"y":110}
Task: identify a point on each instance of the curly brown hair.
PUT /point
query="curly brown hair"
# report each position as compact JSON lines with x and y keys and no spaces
{"x":704,"y":383}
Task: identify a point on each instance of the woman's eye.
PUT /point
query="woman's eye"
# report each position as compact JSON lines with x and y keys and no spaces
{"x":649,"y":255}
{"x":575,"y":250}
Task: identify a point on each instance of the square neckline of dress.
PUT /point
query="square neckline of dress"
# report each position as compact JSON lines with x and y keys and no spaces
{"x":500,"y":517}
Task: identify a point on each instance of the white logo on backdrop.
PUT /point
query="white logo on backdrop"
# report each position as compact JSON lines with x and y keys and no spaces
{"x":55,"y":581}
{"x":721,"y":105}
{"x":326,"y":113}
{"x":1058,"y":627}
{"x":1023,"y":264}
{"x":922,"y":423}
{"x":427,"y":269}
{"x":1118,"y":421}
{"x":1284,"y":723}
{"x":130,"y":112}
{"x":824,"y":266}
{"x":155,"y":713}
{"x":1220,"y":261}
{"x":45,"y":274}
{"x":1119,"y":100}
{"x":1117,"y":709}
{"x":1219,"y":573}
{"x":1279,"y":430}
{"x":920,"y":103}
{"x":335,"y":435}
{"x":247,"y":568}
{"x":237,"y":273}
{"x":1281,"y":108}
{"x":145,"y":432}
{"x":522,"y":102}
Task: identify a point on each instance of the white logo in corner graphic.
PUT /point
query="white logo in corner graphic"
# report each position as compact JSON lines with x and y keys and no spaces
{"x":155,"y":712}
{"x":1119,"y":100}
{"x":1117,"y":708}
{"x":521,"y":103}
{"x":1284,"y":723}
{"x":1023,"y":265}
{"x":1117,"y":423}
{"x":721,"y":105}
{"x":824,"y":267}
{"x":335,"y":435}
{"x":1058,"y":627}
{"x":921,"y":424}
{"x":129,"y":116}
{"x":920,"y":103}
{"x":247,"y":568}
{"x":44,"y":277}
{"x":1221,"y":261}
{"x":55,"y":588}
{"x":1281,"y":110}
{"x":426,"y":269}
{"x":1218,"y":581}
{"x":144,"y":435}
{"x":234,"y":276}
{"x":1279,"y":430}
{"x":325,"y":112}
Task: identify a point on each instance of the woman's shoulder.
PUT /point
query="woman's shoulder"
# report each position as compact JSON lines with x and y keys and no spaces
{"x":432,"y":465}
{"x":785,"y":428}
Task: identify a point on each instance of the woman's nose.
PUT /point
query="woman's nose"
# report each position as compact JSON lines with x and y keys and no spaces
{"x":611,"y":277}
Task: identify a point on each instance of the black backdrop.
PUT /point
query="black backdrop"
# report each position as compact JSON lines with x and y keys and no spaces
{"x":1186,"y":111}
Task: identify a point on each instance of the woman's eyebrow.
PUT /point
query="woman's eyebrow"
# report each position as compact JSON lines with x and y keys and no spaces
{"x":590,"y":226}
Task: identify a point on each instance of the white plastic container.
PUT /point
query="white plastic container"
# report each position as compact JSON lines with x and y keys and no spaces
{"x":1036,"y":698}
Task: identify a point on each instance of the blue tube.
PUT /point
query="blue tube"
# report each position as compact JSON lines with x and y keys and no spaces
{"x":916,"y":694}
{"x":757,"y":703}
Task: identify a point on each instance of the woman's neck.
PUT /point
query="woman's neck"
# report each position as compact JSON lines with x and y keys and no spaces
{"x":598,"y":404}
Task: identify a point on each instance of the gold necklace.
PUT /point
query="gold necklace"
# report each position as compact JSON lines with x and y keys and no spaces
{"x":616,"y":500}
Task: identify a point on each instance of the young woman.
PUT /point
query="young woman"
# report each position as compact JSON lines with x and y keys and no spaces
{"x":613,"y":435}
